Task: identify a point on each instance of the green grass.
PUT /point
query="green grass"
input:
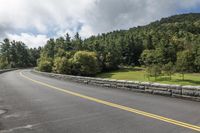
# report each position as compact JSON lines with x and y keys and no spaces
{"x":138,"y":74}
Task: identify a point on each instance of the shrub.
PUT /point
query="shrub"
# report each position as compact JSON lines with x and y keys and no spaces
{"x":45,"y":65}
{"x":85,"y":63}
{"x":169,"y":69}
{"x":3,"y":63}
{"x":184,"y":62}
{"x":62,"y":65}
{"x":153,"y":71}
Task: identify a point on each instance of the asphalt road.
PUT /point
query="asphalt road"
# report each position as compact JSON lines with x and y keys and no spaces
{"x":37,"y":104}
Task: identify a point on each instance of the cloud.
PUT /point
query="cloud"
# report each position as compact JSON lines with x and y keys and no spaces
{"x":108,"y":15}
{"x":31,"y":19}
{"x":29,"y":39}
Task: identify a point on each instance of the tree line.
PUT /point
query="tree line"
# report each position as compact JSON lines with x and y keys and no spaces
{"x":68,"y":56}
{"x":169,"y":45}
{"x":15,"y":54}
{"x":166,"y":46}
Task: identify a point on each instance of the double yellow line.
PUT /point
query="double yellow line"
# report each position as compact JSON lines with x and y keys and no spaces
{"x":150,"y":115}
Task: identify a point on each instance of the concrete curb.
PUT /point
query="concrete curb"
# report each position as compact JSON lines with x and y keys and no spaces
{"x":7,"y":70}
{"x":186,"y":92}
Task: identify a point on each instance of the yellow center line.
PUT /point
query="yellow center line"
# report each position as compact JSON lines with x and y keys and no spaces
{"x":114,"y":105}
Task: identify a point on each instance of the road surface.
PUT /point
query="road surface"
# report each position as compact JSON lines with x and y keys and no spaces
{"x":37,"y":104}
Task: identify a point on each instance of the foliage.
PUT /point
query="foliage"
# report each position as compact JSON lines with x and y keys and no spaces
{"x":62,"y":65}
{"x":169,"y":69}
{"x":196,"y":54}
{"x":84,"y":63}
{"x":150,"y":57}
{"x":153,"y":71}
{"x":45,"y":64}
{"x":184,"y":62}
{"x":158,"y":43}
{"x":16,"y":54}
{"x":164,"y":43}
{"x":3,"y":63}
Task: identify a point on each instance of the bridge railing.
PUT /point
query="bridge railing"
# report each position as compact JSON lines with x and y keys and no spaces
{"x":188,"y":92}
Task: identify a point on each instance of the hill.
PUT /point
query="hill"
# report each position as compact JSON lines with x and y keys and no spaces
{"x":171,"y":43}
{"x":179,"y":32}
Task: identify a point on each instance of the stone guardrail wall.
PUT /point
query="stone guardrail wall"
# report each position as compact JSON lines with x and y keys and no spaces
{"x":188,"y":92}
{"x":7,"y":70}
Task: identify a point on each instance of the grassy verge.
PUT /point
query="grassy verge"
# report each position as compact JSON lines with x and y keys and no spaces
{"x":138,"y":74}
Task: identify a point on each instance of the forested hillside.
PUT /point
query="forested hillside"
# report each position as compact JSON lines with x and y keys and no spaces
{"x":167,"y":37}
{"x":172,"y":44}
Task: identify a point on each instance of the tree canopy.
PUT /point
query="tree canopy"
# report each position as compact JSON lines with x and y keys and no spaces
{"x":159,"y":43}
{"x":163,"y":43}
{"x":15,"y":54}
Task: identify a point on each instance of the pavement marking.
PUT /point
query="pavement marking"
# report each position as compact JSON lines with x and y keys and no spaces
{"x":2,"y":112}
{"x":17,"y":128}
{"x":114,"y":105}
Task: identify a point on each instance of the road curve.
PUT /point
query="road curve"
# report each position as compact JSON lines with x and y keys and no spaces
{"x":37,"y":104}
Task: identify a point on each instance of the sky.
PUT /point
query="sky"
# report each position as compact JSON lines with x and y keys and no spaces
{"x":35,"y":21}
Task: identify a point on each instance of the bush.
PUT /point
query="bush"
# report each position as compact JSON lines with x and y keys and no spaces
{"x":3,"y":63}
{"x":153,"y":71}
{"x":169,"y":69}
{"x":62,"y":65}
{"x":85,"y":63}
{"x":45,"y":65}
{"x":184,"y":62}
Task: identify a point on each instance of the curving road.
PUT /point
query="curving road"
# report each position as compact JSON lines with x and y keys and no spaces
{"x":37,"y":104}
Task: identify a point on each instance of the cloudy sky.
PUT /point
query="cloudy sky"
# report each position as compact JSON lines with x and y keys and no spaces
{"x":34,"y":21}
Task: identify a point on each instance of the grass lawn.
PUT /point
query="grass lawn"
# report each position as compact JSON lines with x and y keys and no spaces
{"x":138,"y":74}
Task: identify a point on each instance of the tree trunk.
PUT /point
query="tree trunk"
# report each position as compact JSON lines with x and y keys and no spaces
{"x":183,"y":76}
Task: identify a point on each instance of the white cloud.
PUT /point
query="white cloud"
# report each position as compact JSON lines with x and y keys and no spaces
{"x":108,"y":15}
{"x":86,"y":31}
{"x":29,"y":39}
{"x":36,"y":18}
